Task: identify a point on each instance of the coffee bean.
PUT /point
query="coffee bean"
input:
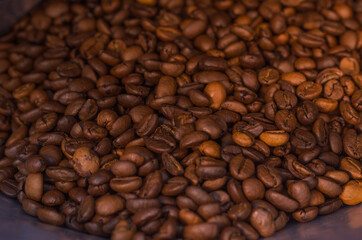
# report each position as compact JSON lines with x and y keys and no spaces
{"x":351,"y":194}
{"x":240,"y":212}
{"x":30,"y":207}
{"x":201,"y":231}
{"x":330,"y":206}
{"x":86,"y":161}
{"x":123,"y":168}
{"x":269,"y":176}
{"x":306,"y":214}
{"x":172,"y":165}
{"x":192,"y":139}
{"x":281,"y":201}
{"x":303,"y":140}
{"x":50,"y":215}
{"x":351,"y":143}
{"x":108,"y":205}
{"x":241,"y":168}
{"x":328,"y":187}
{"x":274,"y":138}
{"x":217,"y":94}
{"x":299,"y":190}
{"x":126,"y":184}
{"x":352,"y":166}
{"x":34,"y":186}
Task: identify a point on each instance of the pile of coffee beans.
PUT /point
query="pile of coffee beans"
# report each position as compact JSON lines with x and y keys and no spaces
{"x":182,"y":119}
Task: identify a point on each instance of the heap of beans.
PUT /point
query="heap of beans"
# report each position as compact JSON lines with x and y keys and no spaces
{"x":182,"y":119}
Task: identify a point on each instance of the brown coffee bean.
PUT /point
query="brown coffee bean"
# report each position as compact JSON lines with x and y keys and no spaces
{"x":240,"y":212}
{"x":62,"y":173}
{"x":281,"y":201}
{"x":30,"y":207}
{"x":217,"y":93}
{"x":126,"y":184}
{"x":172,"y":165}
{"x":34,"y":186}
{"x":269,"y":176}
{"x":262,"y":221}
{"x":152,"y":185}
{"x":326,"y":105}
{"x":124,"y":230}
{"x":147,"y":125}
{"x":328,"y":187}
{"x":123,"y":168}
{"x":108,"y":205}
{"x":306,"y":214}
{"x":193,"y":139}
{"x":201,"y":231}
{"x":243,"y":139}
{"x":209,"y":76}
{"x":285,"y":120}
{"x":351,"y":144}
{"x":166,"y":87}
{"x":330,"y":206}
{"x":274,"y":138}
{"x":316,"y":198}
{"x":241,"y":168}
{"x":253,"y":189}
{"x":174,"y":186}
{"x":307,"y":113}
{"x":50,"y":216}
{"x":352,"y":192}
{"x":349,"y":66}
{"x":299,"y":190}
{"x":303,"y":139}
{"x":352,"y":167}
{"x":53,"y":198}
{"x":349,"y":113}
{"x":86,"y":161}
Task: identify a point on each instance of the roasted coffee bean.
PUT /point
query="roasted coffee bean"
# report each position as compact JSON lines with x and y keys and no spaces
{"x":126,"y":184}
{"x":241,"y":168}
{"x":351,"y":194}
{"x":9,"y":188}
{"x":328,"y":186}
{"x":253,"y":189}
{"x":34,"y":186}
{"x":330,"y":206}
{"x":269,"y":176}
{"x":108,"y":205}
{"x":274,"y":138}
{"x":262,"y":221}
{"x":61,"y":173}
{"x":307,"y":113}
{"x":302,"y":139}
{"x":152,"y":185}
{"x":201,"y":231}
{"x":352,"y":143}
{"x":285,"y":120}
{"x":352,"y":167}
{"x":123,"y":168}
{"x":50,"y":215}
{"x":306,"y":214}
{"x":299,"y":190}
{"x":171,"y":165}
{"x":281,"y":201}
{"x":30,"y":207}
{"x":86,"y":161}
